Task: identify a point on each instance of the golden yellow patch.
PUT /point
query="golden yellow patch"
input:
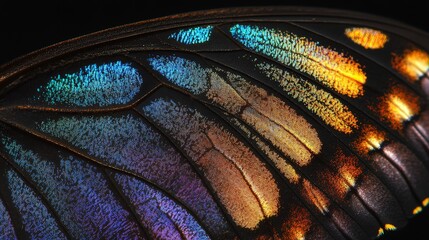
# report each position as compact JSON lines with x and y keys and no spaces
{"x":389,"y":227}
{"x":366,"y":37}
{"x":417,"y":210}
{"x":425,"y":202}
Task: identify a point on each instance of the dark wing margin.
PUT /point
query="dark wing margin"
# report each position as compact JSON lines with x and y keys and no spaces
{"x":252,"y":123}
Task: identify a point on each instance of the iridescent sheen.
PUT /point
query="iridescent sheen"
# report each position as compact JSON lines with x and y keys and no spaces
{"x":6,"y":228}
{"x":78,"y":192}
{"x":97,"y":85}
{"x":331,"y":68}
{"x":37,"y":221}
{"x":195,"y":35}
{"x":126,"y":142}
{"x":182,"y":72}
{"x":281,"y":163}
{"x":242,"y":182}
{"x":164,"y":218}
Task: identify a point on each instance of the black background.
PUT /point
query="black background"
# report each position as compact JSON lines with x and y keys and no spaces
{"x":26,"y":27}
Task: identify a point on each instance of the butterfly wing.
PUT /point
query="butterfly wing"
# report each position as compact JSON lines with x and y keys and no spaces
{"x":241,"y":123}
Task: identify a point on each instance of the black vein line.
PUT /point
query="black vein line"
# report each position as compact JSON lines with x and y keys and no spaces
{"x":193,"y":166}
{"x":178,"y":229}
{"x":401,"y":173}
{"x":80,"y":110}
{"x":243,"y":175}
{"x":420,"y":135}
{"x":91,"y":160}
{"x":122,"y":198}
{"x":33,"y":186}
{"x":305,"y":110}
{"x":328,"y":215}
{"x":85,"y":110}
{"x":248,"y":104}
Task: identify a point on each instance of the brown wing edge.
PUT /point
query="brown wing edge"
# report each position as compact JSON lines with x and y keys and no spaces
{"x":31,"y":60}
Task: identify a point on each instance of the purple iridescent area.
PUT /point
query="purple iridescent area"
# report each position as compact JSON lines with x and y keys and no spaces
{"x":76,"y":190}
{"x":126,"y":142}
{"x":6,"y":228}
{"x":160,"y":214}
{"x":37,"y":220}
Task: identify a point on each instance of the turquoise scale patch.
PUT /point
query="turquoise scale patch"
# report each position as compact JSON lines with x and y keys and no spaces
{"x":96,"y":85}
{"x":196,"y":35}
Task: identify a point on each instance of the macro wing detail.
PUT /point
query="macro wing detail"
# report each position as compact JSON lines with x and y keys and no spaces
{"x":259,"y":125}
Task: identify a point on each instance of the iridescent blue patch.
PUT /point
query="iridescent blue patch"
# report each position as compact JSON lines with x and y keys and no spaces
{"x":194,"y":35}
{"x":182,"y":72}
{"x":93,"y":85}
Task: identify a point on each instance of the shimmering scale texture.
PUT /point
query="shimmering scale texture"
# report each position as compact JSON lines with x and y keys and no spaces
{"x":165,"y":218}
{"x":37,"y":220}
{"x":97,"y":85}
{"x":196,"y":35}
{"x":331,"y":68}
{"x":6,"y":229}
{"x":322,"y":103}
{"x":78,"y":193}
{"x":412,"y":63}
{"x":242,"y":182}
{"x":368,"y":38}
{"x":128,"y":143}
{"x":293,"y":134}
{"x":285,"y":168}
